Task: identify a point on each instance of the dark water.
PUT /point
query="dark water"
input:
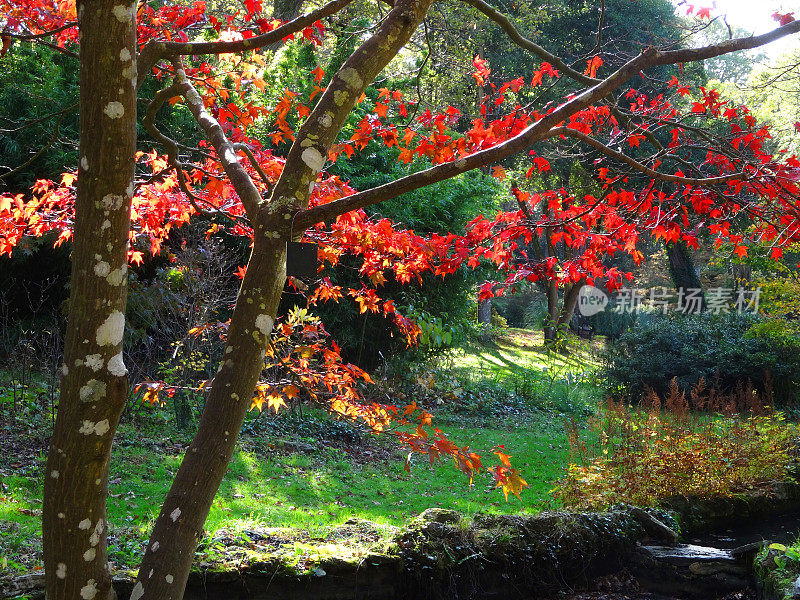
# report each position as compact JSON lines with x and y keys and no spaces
{"x":783,"y":529}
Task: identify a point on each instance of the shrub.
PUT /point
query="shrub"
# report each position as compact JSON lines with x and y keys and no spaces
{"x":727,"y":351}
{"x":643,"y":455}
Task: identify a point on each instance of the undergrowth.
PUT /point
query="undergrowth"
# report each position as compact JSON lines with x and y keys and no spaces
{"x":643,"y":454}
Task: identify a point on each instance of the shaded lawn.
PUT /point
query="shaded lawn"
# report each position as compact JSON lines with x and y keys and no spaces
{"x":317,"y":490}
{"x":314,"y":491}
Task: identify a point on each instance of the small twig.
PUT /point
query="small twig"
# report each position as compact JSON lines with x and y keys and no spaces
{"x":255,"y":164}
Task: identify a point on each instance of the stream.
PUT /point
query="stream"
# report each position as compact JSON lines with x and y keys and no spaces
{"x":624,"y":586}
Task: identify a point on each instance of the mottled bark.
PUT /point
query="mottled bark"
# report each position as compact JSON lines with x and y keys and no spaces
{"x":94,"y":382}
{"x":169,"y":553}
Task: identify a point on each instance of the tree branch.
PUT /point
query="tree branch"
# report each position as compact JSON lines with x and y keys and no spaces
{"x":245,"y":188}
{"x":27,"y":37}
{"x":246,"y":149}
{"x":597,"y":145}
{"x":538,"y":131}
{"x":670,"y":57}
{"x":154,"y":51}
{"x":171,"y":145}
{"x":505,"y":23}
{"x":309,"y":151}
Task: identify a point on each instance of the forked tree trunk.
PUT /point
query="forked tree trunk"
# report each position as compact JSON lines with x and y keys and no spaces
{"x":170,"y":551}
{"x":94,"y":382}
{"x":559,"y":318}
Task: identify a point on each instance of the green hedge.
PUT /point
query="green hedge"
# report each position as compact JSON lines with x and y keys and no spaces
{"x":727,"y":350}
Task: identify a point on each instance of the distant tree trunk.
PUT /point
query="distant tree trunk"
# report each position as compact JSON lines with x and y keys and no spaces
{"x":284,"y":10}
{"x":94,"y":382}
{"x":551,"y":293}
{"x":559,"y":318}
{"x":682,"y":269}
{"x":741,"y":274}
{"x":287,"y":10}
{"x":485,"y":318}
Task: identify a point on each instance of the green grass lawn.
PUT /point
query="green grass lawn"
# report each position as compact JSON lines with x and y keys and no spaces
{"x":518,"y":350}
{"x":314,"y":489}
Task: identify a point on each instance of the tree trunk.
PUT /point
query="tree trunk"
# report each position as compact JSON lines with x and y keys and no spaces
{"x":485,"y":319}
{"x":571,"y":296}
{"x":550,"y":329}
{"x":560,"y":318}
{"x":170,"y":551}
{"x":286,"y":10}
{"x":94,"y":382}
{"x":682,"y":269}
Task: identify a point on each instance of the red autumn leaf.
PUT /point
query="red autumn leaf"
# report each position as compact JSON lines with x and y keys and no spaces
{"x":783,"y":18}
{"x":318,"y":74}
{"x":592,"y":65}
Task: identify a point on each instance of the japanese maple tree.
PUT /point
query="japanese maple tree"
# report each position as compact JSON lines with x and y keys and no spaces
{"x":117,"y":198}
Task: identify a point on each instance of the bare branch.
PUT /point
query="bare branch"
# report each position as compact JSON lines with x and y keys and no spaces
{"x":37,"y":36}
{"x":42,"y":150}
{"x":32,"y":122}
{"x":244,"y":148}
{"x":171,"y":145}
{"x":505,"y":23}
{"x":600,"y":24}
{"x":245,"y":188}
{"x":733,"y":45}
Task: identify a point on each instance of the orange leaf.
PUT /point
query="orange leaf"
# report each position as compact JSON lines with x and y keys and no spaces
{"x":592,"y":65}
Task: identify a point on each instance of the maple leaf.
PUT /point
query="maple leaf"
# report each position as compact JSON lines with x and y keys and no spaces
{"x":276,"y":402}
{"x":704,"y":13}
{"x":318,"y":73}
{"x":499,"y":172}
{"x":482,"y":71}
{"x":509,"y":480}
{"x":380,"y":109}
{"x":740,"y":251}
{"x":592,"y":65}
{"x":634,"y":140}
{"x":783,"y":18}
